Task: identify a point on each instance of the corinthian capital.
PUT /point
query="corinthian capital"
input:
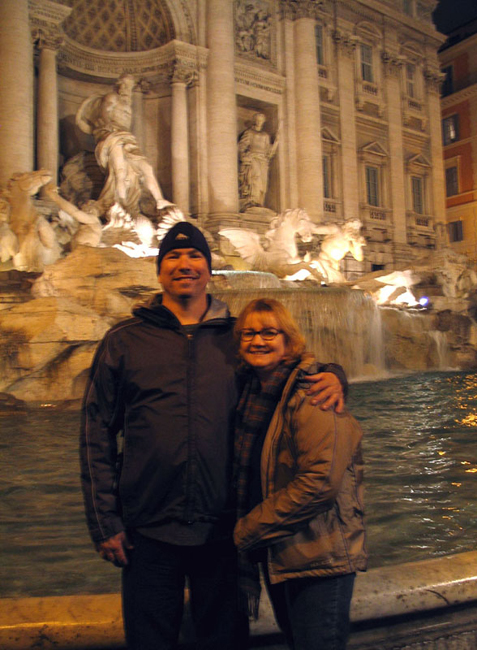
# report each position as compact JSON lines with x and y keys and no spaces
{"x":346,"y":42}
{"x":47,"y":37}
{"x":392,"y":64}
{"x":294,"y":9}
{"x":181,"y":73}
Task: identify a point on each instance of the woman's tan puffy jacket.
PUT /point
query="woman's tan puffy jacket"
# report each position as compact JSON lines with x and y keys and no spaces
{"x":311,"y":518}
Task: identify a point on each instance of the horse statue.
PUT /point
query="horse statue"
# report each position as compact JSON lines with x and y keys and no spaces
{"x":279,"y":255}
{"x":338,"y":242}
{"x":33,"y":241}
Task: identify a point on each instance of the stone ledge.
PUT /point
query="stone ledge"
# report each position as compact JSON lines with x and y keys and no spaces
{"x":94,"y":622}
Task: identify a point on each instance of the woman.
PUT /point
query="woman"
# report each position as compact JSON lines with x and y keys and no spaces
{"x":299,"y":484}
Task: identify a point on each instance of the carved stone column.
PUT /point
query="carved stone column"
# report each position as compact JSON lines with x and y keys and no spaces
{"x":345,"y":48}
{"x":180,"y":139}
{"x":221,"y":109}
{"x":16,"y":89}
{"x":434,"y":79}
{"x":307,"y":111}
{"x":392,"y":72}
{"x":47,"y":109}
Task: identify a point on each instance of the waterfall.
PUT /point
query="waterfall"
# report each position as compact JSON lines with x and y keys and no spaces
{"x":340,"y":325}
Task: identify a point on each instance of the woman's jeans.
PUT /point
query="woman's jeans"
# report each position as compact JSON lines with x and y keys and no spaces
{"x":313,"y":612}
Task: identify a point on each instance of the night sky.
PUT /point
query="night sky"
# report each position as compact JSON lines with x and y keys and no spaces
{"x":450,"y":14}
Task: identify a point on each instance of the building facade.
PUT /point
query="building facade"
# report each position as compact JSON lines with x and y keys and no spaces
{"x":349,"y":91}
{"x":459,"y":134}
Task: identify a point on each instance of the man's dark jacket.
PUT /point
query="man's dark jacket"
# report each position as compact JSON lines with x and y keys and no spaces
{"x":172,"y":396}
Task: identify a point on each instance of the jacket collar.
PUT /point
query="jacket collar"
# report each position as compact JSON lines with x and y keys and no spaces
{"x":152,"y":310}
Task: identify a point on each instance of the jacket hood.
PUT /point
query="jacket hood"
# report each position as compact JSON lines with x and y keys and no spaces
{"x":153,"y":310}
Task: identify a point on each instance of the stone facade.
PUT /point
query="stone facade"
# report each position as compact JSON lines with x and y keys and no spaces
{"x":352,"y":89}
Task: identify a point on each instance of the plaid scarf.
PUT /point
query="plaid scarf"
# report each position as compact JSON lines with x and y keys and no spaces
{"x":254,"y":413}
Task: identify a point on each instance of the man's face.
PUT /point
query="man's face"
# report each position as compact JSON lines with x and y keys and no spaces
{"x":184,"y":273}
{"x":125,"y":86}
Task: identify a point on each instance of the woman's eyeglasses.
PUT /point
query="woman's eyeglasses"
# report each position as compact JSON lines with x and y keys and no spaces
{"x":267,"y":334}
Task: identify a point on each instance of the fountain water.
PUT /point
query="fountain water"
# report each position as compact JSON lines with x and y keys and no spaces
{"x":340,"y":325}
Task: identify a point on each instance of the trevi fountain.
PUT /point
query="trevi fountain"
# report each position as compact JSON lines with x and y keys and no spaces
{"x":77,"y":254}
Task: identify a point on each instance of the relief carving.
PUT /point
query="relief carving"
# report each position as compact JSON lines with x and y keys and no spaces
{"x":253,"y":28}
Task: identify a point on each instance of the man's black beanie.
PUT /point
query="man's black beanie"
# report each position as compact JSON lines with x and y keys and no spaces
{"x":184,"y":235}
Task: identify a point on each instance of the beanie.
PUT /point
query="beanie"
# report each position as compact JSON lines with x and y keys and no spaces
{"x":184,"y":235}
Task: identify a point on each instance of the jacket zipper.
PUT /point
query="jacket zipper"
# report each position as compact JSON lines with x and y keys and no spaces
{"x":191,"y":440}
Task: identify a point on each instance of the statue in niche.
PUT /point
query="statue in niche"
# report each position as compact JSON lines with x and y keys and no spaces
{"x":31,"y":239}
{"x":253,"y":28}
{"x":108,"y":118}
{"x":255,"y":152}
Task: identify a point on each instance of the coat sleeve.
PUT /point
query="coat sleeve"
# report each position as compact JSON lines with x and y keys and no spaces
{"x":324,"y":445}
{"x":102,"y":419}
{"x":337,"y":370}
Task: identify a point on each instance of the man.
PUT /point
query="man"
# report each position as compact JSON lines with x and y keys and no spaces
{"x":164,"y":509}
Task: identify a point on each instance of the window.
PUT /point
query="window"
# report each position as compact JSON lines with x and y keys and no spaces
{"x":456,"y":231}
{"x":452,"y":181}
{"x":448,"y":83}
{"x":367,"y":63}
{"x":319,"y":44}
{"x":407,"y":7}
{"x":450,"y":129}
{"x":417,"y":194}
{"x":410,"y":80}
{"x":327,"y":177}
{"x":372,"y":186}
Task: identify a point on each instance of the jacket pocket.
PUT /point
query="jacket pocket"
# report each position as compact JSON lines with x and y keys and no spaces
{"x":320,"y":545}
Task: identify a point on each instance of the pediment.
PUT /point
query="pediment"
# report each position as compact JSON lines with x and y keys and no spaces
{"x":328,"y":136}
{"x":374,"y":148}
{"x":419,"y":160}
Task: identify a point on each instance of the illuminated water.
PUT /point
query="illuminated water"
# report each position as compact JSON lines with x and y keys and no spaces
{"x":421,"y":478}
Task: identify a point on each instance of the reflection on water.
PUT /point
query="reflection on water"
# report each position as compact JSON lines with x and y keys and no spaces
{"x":421,"y":466}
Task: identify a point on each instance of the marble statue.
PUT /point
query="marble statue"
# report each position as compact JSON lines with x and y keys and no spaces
{"x":255,"y":152}
{"x":279,"y":255}
{"x":34,"y":243}
{"x":8,"y":239}
{"x":338,"y":242}
{"x":108,"y":118}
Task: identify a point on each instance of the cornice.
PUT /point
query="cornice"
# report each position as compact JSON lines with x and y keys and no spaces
{"x":460,"y":96}
{"x":261,"y":79}
{"x":85,"y":61}
{"x":44,"y":13}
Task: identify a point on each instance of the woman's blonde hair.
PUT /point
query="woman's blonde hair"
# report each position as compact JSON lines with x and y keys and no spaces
{"x":294,"y":340}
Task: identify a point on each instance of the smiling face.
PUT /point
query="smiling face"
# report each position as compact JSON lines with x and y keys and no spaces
{"x":263,"y":356}
{"x":184,"y":274}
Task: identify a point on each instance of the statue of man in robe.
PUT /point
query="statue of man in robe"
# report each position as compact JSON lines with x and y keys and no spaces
{"x":108,"y":118}
{"x":255,"y":153}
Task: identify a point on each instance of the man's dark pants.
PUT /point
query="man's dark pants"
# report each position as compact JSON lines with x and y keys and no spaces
{"x":153,"y":595}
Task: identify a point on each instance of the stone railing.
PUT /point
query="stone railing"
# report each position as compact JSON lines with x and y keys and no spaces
{"x":428,"y":605}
